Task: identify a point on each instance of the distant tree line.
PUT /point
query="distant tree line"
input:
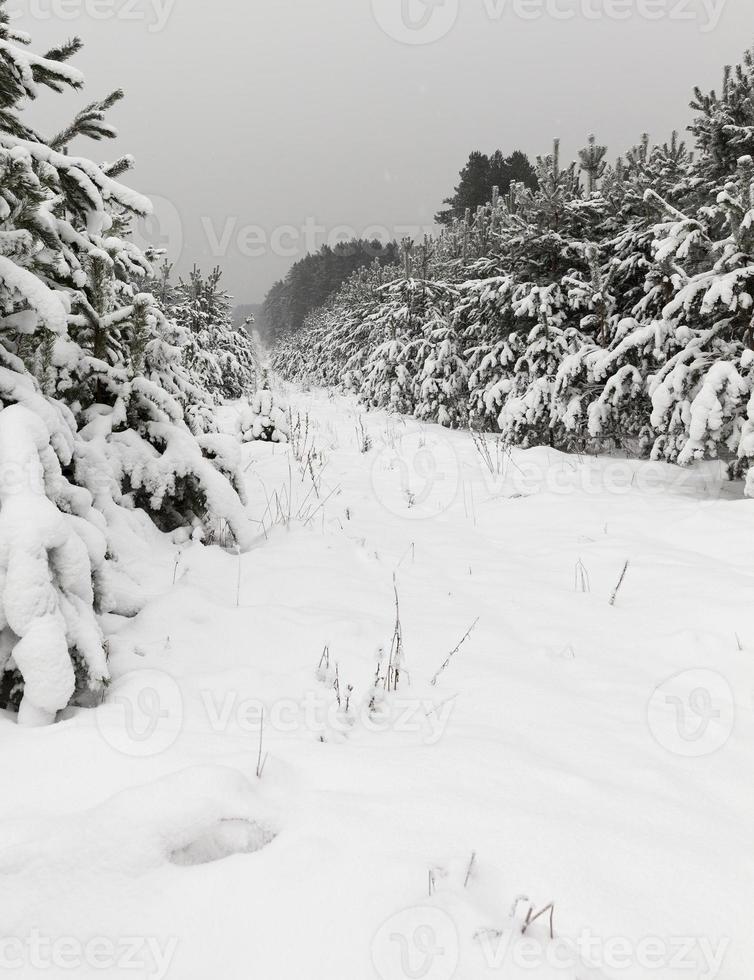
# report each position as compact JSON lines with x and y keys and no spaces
{"x":610,"y":308}
{"x":315,"y":277}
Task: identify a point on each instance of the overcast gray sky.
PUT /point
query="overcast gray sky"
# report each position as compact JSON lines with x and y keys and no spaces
{"x":263,"y":127}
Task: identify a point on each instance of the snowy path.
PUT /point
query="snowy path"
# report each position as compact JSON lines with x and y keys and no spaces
{"x":542,"y":748}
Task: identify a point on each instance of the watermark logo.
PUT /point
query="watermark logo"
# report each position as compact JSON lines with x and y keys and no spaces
{"x":143,"y":714}
{"x":419,"y":943}
{"x":416,"y":475}
{"x":692,"y":714}
{"x":416,"y":21}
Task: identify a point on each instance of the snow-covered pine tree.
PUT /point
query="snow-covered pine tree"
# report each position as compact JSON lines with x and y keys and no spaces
{"x":546,"y":252}
{"x":91,"y":388}
{"x":265,"y":418}
{"x":486,"y":318}
{"x":527,"y":417}
{"x":218,"y":353}
{"x":701,"y":395}
{"x":390,"y":373}
{"x":337,"y":339}
{"x":722,"y":126}
{"x":634,"y":339}
{"x":592,"y":159}
{"x":442,"y":394}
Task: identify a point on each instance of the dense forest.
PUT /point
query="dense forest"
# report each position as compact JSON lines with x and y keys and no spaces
{"x":609,"y":305}
{"x":315,"y":277}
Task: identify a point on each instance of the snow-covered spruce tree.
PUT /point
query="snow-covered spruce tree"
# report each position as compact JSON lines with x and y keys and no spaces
{"x":443,"y":378}
{"x":722,"y":126}
{"x":485,"y":317}
{"x":217,"y":353}
{"x":52,"y":544}
{"x":336,"y":341}
{"x":52,"y":564}
{"x":702,"y":393}
{"x":265,"y":419}
{"x":390,"y":373}
{"x":546,"y":250}
{"x":91,"y":389}
{"x":350,"y":343}
{"x":634,"y":288}
{"x":526,"y":417}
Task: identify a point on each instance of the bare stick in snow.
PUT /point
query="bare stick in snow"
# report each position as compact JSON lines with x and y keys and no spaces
{"x":336,"y":684}
{"x":531,"y":918}
{"x":516,"y":903}
{"x":261,"y":762}
{"x":469,"y":870}
{"x":454,"y":651}
{"x":395,"y":661}
{"x":620,"y":582}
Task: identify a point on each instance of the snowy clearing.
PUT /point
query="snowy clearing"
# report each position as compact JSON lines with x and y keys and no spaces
{"x":590,"y":755}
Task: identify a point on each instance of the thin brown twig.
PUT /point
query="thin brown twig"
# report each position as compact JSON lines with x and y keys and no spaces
{"x":531,"y":919}
{"x":454,"y":651}
{"x":620,"y":583}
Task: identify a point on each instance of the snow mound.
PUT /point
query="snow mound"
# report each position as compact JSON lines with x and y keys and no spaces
{"x":191,"y":817}
{"x":265,"y":419}
{"x":226,"y":838}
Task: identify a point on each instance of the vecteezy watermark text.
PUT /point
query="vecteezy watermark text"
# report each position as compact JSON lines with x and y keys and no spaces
{"x":423,"y":942}
{"x":419,"y":22}
{"x":706,"y":13}
{"x":152,"y":13}
{"x":288,"y":241}
{"x":144,"y":715}
{"x":148,"y":956}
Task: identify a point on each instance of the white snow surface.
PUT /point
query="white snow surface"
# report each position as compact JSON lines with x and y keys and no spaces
{"x":594,"y":756}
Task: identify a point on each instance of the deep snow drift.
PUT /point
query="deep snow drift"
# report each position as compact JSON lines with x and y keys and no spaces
{"x":574,"y":752}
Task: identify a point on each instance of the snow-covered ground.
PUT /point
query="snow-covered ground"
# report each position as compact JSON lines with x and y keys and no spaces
{"x":594,"y":756}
